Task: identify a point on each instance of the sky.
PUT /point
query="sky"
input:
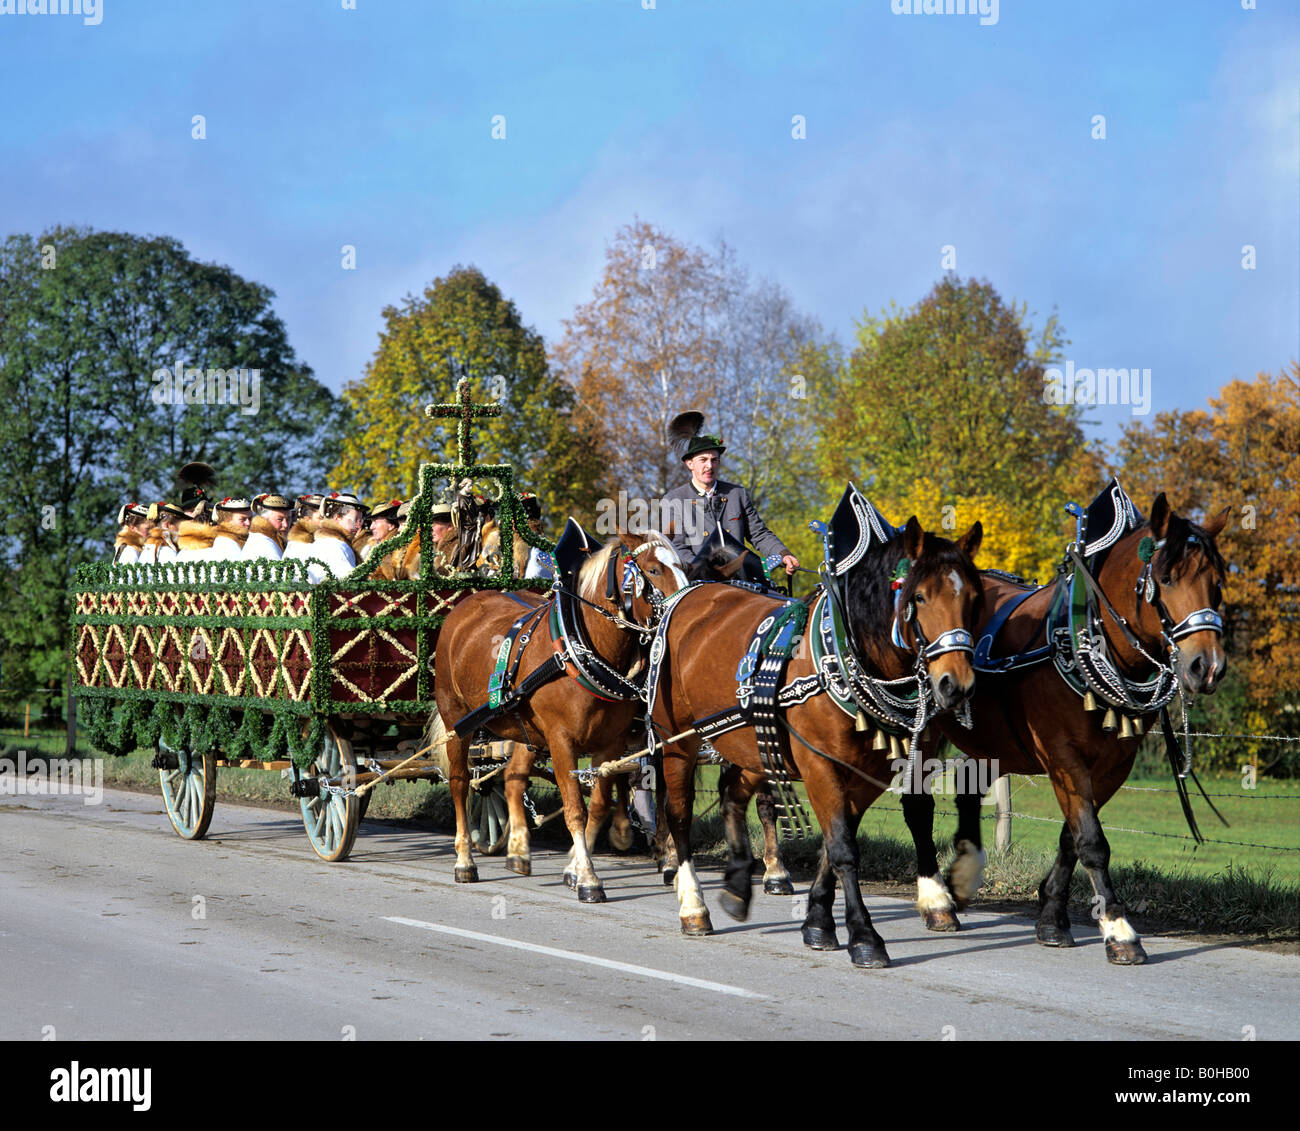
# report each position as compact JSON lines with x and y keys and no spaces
{"x":370,"y":123}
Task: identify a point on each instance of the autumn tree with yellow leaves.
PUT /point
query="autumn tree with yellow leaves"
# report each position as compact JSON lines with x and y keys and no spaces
{"x":1242,"y":455}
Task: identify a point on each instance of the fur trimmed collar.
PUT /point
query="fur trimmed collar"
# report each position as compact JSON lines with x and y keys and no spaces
{"x":233,"y":531}
{"x":193,"y":535}
{"x":263,"y":526}
{"x":303,"y":529}
{"x":331,"y":529}
{"x":129,"y":537}
{"x":161,"y":536}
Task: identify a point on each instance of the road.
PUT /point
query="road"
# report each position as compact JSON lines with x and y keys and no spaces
{"x":120,"y":929}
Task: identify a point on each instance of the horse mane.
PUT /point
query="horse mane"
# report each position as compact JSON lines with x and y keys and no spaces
{"x":1178,"y":537}
{"x":591,"y":575}
{"x":867,"y":586}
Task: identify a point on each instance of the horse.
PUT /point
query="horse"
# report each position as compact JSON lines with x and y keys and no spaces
{"x":703,"y":640}
{"x":1151,"y":592}
{"x":586,"y":707}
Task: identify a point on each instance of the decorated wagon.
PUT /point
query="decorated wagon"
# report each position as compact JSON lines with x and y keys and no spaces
{"x":247,"y":664}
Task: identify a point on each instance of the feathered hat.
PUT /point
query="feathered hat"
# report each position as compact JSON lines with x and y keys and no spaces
{"x":685,"y":436}
{"x":199,"y":479}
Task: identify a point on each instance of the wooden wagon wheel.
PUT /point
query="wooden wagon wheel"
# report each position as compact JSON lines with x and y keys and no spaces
{"x":489,"y":818}
{"x":331,"y":819}
{"x":189,"y":791}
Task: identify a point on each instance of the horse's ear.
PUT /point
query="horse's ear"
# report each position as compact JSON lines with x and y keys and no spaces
{"x":1161,"y":513}
{"x":630,"y":540}
{"x":969,"y":543}
{"x":913,"y":538}
{"x":1214,"y":527}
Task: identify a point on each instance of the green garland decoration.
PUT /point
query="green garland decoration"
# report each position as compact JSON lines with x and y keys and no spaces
{"x":276,"y":726}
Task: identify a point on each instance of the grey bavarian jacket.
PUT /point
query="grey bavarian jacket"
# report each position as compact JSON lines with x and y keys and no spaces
{"x":689,"y":519}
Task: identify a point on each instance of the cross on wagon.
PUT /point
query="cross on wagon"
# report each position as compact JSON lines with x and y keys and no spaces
{"x":466,"y":411}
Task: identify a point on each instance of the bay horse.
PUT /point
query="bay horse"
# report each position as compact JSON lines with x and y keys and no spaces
{"x":1163,"y":577}
{"x":705,"y":637}
{"x":570,"y":715}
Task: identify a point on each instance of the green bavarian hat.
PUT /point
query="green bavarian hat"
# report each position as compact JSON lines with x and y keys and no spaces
{"x":532,"y":505}
{"x":703,"y":443}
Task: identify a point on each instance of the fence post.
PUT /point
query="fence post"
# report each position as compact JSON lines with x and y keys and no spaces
{"x":70,"y":714}
{"x":1002,"y":801}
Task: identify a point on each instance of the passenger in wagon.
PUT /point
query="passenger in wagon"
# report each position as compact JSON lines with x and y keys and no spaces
{"x":383,"y":525}
{"x":161,"y":546}
{"x":234,"y":517}
{"x":266,"y":533}
{"x":531,"y":562}
{"x":133,"y":523}
{"x":306,"y":517}
{"x":332,"y":543}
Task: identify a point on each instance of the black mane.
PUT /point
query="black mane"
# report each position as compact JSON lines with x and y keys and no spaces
{"x":1178,"y":538}
{"x":868,"y":595}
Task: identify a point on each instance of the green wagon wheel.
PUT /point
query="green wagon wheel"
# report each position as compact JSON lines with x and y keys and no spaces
{"x":331,"y":819}
{"x":190,"y":791}
{"x":489,"y":818}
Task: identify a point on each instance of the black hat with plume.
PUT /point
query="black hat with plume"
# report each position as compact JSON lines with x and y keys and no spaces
{"x":685,"y":436}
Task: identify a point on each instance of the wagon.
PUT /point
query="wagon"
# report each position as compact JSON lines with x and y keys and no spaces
{"x":221,"y":664}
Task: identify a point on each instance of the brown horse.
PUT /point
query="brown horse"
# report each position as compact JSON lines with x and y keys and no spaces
{"x":588,"y":709}
{"x":1163,"y":577}
{"x":707,"y":636}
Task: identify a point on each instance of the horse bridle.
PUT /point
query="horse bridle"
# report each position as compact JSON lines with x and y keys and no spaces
{"x":954,"y":640}
{"x":1147,"y":589}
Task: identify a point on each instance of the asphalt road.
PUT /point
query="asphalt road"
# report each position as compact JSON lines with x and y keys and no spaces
{"x":111,"y":926}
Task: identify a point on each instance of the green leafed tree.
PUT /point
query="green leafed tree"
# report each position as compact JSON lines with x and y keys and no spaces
{"x":947,"y":402}
{"x":463,"y":320}
{"x":92,"y":328}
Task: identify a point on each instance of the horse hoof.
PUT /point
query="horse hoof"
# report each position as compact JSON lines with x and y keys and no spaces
{"x":736,"y":906}
{"x":868,"y":956}
{"x":778,"y":887}
{"x":519,"y":864}
{"x":467,"y":874}
{"x":1125,"y":953}
{"x":697,"y":926}
{"x":570,"y":881}
{"x":591,"y":894}
{"x":670,"y":874}
{"x":815,"y":938}
{"x":1049,"y":934}
{"x":940,"y":920}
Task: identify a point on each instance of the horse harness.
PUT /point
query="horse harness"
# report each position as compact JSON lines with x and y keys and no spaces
{"x":572,"y":654}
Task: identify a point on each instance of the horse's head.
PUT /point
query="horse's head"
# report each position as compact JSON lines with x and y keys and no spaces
{"x":726,"y":560}
{"x":1176,"y":573}
{"x":634,"y":573}
{"x":922,"y":594}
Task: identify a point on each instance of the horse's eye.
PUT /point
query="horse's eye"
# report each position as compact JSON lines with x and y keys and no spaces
{"x":919,"y":598}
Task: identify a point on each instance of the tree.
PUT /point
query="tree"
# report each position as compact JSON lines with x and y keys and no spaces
{"x":464,"y":320}
{"x":1244,"y":454}
{"x":672,"y":327}
{"x":88,"y":322}
{"x":943,"y":406}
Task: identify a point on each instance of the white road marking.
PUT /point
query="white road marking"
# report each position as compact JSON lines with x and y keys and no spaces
{"x":572,"y":956}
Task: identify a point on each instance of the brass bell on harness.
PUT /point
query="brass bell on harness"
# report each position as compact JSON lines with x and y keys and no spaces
{"x":1089,"y":701}
{"x":896,"y":747}
{"x":860,"y":724}
{"x":1125,"y":727}
{"x":880,"y":742}
{"x":1110,"y":724}
{"x":1138,"y":728}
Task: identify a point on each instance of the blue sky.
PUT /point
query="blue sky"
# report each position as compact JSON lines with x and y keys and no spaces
{"x":372,"y":127}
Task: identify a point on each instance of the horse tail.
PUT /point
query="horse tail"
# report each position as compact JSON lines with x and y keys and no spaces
{"x":435,"y":742}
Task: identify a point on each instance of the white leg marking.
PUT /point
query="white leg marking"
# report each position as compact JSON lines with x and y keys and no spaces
{"x":1118,"y":930}
{"x":690,"y":899}
{"x":931,"y":895}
